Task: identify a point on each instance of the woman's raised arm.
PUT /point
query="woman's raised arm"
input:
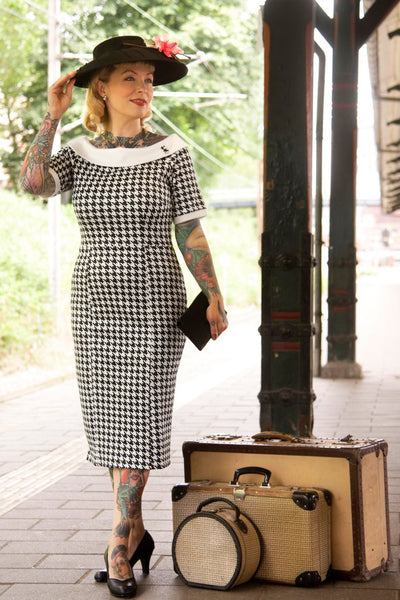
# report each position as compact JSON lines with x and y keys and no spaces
{"x":34,"y":177}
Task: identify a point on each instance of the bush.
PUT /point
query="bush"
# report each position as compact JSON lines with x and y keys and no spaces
{"x":26,"y":309}
{"x":24,"y":302}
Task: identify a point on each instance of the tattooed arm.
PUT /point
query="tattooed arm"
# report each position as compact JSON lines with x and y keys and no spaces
{"x":35,"y":178}
{"x":196,"y":252}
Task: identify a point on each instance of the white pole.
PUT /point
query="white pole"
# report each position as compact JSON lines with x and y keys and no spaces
{"x":53,"y":73}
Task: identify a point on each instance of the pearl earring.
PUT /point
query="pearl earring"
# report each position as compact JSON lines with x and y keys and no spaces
{"x":104,"y":98}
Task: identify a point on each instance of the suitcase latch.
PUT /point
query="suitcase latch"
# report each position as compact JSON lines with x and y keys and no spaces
{"x":239,"y":494}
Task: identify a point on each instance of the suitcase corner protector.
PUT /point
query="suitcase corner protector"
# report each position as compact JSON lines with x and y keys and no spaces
{"x":308,"y":579}
{"x":179,"y":491}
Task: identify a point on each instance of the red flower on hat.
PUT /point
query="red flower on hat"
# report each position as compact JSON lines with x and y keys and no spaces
{"x":162,"y":44}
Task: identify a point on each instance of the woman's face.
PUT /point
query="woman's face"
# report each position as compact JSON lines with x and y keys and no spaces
{"x":129,"y":91}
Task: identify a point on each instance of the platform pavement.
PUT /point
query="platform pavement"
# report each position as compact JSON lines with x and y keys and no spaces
{"x":52,"y":541}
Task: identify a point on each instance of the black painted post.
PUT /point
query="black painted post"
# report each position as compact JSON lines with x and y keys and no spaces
{"x":286,"y":394}
{"x":342,"y":252}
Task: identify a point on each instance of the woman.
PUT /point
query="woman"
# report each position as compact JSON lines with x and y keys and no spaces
{"x":128,"y":185}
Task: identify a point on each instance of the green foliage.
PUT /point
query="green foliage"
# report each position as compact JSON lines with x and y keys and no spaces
{"x":21,"y":46}
{"x":26,"y":310}
{"x":230,"y":131}
{"x":24,"y":302}
{"x":226,"y":35}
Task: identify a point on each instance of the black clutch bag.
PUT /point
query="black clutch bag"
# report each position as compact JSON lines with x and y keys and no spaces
{"x":194,"y":322}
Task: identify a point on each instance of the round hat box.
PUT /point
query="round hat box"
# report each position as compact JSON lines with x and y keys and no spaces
{"x":218,"y":548}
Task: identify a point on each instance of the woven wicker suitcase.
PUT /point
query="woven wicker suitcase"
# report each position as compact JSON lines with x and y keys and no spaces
{"x":219,"y":548}
{"x":354,"y":470}
{"x":294,"y":524}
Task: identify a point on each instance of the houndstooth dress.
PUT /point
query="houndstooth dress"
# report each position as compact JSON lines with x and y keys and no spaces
{"x":127,"y":292}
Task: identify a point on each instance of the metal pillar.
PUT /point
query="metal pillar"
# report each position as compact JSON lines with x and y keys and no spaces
{"x":342,"y":252}
{"x":54,"y":204}
{"x":318,"y":211}
{"x":347,"y":33}
{"x":286,"y":396}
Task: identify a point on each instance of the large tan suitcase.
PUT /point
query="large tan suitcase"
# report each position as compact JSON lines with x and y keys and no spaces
{"x":353,"y":470}
{"x":294,"y":524}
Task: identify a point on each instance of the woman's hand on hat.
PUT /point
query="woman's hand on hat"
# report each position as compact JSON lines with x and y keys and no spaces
{"x":59,"y":95}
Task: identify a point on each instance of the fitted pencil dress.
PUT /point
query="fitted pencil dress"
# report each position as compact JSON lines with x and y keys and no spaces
{"x":127,"y":292}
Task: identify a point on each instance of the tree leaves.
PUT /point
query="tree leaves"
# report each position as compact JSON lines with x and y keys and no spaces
{"x":224,"y":35}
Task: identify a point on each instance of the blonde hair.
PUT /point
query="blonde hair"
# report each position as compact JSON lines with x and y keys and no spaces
{"x":95,"y":117}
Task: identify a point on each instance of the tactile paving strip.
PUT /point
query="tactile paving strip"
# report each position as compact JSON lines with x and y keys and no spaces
{"x":41,"y":473}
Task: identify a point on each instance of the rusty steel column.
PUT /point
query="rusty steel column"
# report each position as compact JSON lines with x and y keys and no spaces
{"x":342,"y":252}
{"x":286,"y":397}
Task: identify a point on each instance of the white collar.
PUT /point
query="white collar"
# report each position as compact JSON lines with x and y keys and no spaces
{"x":126,"y":157}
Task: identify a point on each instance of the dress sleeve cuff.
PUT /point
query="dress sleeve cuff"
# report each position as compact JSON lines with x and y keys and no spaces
{"x":198,"y":214}
{"x":56,"y":183}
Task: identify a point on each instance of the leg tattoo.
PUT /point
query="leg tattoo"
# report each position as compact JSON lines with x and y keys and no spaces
{"x":128,"y":486}
{"x":129,"y":493}
{"x":120,"y":566}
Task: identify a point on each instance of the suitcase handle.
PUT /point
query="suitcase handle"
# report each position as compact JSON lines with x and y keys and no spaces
{"x":274,"y":435}
{"x":252,"y":470}
{"x":219,"y":499}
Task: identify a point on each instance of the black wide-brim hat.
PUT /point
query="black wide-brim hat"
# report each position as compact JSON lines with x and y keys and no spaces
{"x":127,"y":49}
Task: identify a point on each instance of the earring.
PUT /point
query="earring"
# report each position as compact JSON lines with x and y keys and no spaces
{"x":104,"y":98}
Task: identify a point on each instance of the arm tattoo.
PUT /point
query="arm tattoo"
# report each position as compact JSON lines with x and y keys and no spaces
{"x":194,"y":247}
{"x":35,"y":177}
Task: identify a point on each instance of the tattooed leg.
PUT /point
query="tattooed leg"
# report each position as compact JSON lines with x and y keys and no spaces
{"x":128,"y":527}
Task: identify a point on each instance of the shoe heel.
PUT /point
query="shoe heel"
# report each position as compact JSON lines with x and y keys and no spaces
{"x":145,"y":561}
{"x":143,"y":553}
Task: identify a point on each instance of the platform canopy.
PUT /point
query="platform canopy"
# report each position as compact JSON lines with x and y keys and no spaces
{"x":384,"y":63}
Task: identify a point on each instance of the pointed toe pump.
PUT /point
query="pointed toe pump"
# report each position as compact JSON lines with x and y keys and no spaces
{"x":143,"y":553}
{"x":121,"y":588}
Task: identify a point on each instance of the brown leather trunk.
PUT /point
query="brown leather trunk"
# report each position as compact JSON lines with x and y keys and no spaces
{"x":354,"y":471}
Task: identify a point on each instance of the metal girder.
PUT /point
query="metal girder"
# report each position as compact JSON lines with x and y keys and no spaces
{"x":374,"y":16}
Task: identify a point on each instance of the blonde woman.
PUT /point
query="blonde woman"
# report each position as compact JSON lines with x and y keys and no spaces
{"x":129,"y":185}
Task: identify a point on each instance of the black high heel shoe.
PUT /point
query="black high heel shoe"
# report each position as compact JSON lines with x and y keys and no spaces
{"x":121,"y":588}
{"x":143,"y":553}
